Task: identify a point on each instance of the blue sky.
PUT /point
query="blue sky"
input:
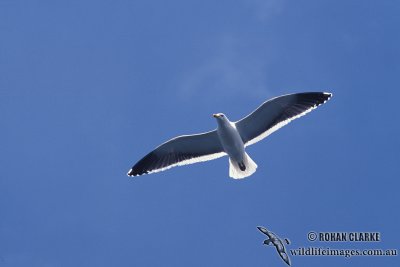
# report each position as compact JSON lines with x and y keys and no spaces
{"x":89,"y":87}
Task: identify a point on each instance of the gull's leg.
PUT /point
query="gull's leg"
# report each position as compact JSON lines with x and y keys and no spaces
{"x":242,"y":166}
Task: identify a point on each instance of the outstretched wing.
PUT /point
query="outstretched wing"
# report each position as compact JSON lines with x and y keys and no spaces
{"x":181,"y":150}
{"x":264,"y":231}
{"x":284,"y":257}
{"x":276,"y":113}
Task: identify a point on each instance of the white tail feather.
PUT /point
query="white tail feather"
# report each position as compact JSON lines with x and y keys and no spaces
{"x":236,"y":173}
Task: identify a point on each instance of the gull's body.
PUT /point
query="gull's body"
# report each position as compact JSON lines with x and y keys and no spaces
{"x":240,"y":164}
{"x":230,"y":138}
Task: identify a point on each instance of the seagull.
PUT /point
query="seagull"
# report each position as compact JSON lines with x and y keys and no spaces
{"x":231,"y":138}
{"x":273,"y":239}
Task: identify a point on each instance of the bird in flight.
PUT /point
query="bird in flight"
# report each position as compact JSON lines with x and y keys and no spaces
{"x":231,"y":138}
{"x":274,"y":240}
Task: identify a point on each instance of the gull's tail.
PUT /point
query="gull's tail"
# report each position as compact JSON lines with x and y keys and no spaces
{"x":239,"y":170}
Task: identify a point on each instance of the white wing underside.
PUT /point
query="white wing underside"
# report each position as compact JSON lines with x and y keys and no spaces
{"x":278,"y":126}
{"x":189,"y":161}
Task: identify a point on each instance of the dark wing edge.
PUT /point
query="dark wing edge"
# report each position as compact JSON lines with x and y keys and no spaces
{"x":285,"y":257}
{"x":263,"y":230}
{"x":181,"y":150}
{"x":276,"y":113}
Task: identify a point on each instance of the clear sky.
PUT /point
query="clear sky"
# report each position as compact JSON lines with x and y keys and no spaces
{"x":89,"y":87}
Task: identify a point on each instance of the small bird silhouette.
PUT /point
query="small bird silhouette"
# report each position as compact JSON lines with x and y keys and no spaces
{"x":273,"y":239}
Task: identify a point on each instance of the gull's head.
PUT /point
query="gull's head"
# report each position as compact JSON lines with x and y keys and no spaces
{"x":219,"y":115}
{"x":221,"y":118}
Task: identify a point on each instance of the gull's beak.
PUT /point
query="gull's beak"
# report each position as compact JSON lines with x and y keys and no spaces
{"x":215,"y":115}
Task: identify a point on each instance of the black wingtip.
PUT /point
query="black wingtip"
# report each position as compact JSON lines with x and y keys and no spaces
{"x":144,"y":166}
{"x":329,"y":95}
{"x":132,"y":173}
{"x":319,"y":97}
